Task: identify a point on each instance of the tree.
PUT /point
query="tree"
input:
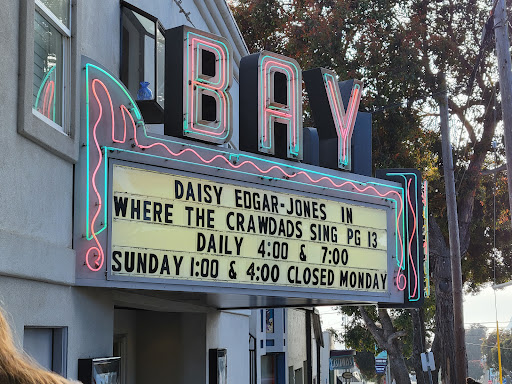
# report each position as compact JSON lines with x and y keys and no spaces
{"x":358,"y":335}
{"x":365,"y":362}
{"x":398,"y":48}
{"x":490,"y":350}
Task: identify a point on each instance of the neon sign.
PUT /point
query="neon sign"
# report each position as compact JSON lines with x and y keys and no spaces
{"x":344,"y":121}
{"x":114,"y":129}
{"x":202,"y":110}
{"x":335,"y":122}
{"x":270,"y":98}
{"x":271,"y":105}
{"x":114,"y":125}
{"x":426,"y":251}
{"x":412,"y":266}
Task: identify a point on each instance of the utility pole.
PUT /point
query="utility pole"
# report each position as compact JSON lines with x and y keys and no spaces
{"x":453,"y":229}
{"x":503,"y":53}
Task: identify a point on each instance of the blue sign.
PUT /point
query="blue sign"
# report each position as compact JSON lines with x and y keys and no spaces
{"x":379,"y":369}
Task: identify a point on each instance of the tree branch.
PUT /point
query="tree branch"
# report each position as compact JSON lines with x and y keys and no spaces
{"x":396,"y":335}
{"x":495,"y":170}
{"x":471,"y":181}
{"x":385,"y":320}
{"x":437,"y":243}
{"x":389,"y":329}
{"x":377,"y":332}
{"x":460,"y":114}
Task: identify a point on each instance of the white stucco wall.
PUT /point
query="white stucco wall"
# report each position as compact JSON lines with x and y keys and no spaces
{"x":296,"y":341}
{"x":37,"y":260}
{"x":35,"y":186}
{"x":101,"y":33}
{"x":87,"y":315}
{"x":325,"y":354}
{"x":230,"y":330}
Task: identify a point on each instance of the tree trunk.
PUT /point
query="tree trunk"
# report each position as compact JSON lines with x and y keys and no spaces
{"x":388,"y":339}
{"x":418,"y":345}
{"x":399,"y":370}
{"x":444,"y":345}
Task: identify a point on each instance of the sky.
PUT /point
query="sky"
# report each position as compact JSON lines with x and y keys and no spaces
{"x":480,"y":308}
{"x":477,"y":309}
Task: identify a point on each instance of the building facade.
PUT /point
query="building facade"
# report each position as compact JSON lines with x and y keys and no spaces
{"x":78,"y":76}
{"x":55,"y":320}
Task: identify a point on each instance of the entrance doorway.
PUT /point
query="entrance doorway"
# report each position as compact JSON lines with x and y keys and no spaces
{"x":273,"y":368}
{"x":160,"y":347}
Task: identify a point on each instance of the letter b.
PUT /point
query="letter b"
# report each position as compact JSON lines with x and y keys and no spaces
{"x":198,"y":76}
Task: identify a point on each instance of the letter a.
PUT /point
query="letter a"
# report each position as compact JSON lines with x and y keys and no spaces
{"x":271,"y":105}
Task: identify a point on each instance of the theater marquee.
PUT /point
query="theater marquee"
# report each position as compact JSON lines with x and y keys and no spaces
{"x":167,"y":226}
{"x":180,"y":214}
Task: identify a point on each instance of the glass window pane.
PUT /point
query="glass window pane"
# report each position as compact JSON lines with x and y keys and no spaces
{"x":270,"y":320}
{"x":160,"y":67}
{"x":144,"y":22}
{"x":60,"y":8}
{"x":138,"y":52}
{"x":48,"y":69}
{"x":149,"y":62}
{"x":268,"y":369}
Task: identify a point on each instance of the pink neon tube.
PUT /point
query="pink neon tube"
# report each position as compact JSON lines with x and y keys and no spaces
{"x":411,"y":238}
{"x":98,"y":250}
{"x":47,"y":103}
{"x":219,"y":88}
{"x":290,"y":115}
{"x":344,"y":120}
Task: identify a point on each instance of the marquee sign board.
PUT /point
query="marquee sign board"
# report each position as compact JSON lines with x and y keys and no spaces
{"x":169,"y":226}
{"x":235,"y":229}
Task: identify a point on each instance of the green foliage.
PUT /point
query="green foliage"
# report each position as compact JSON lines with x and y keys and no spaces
{"x":474,"y":337}
{"x":475,"y":369}
{"x":475,"y":270}
{"x":490,"y":350}
{"x":261,"y":22}
{"x":365,"y":361}
{"x":357,"y":39}
{"x":356,"y":335}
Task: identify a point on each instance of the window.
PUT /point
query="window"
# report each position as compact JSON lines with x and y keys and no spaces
{"x":48,"y":346}
{"x":51,"y":43}
{"x":143,"y":60}
{"x":273,"y":368}
{"x":269,"y":320}
{"x":48,"y":109}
